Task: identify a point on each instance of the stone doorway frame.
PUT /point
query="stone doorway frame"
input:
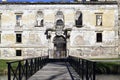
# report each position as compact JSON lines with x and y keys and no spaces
{"x":60,"y":47}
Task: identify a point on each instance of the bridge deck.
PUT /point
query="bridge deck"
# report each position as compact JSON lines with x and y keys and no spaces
{"x":52,"y":71}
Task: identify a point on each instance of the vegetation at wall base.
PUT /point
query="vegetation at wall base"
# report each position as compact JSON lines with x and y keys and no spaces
{"x":108,"y":67}
{"x":3,"y":66}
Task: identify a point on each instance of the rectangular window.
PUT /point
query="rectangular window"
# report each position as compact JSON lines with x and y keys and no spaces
{"x":18,"y":38}
{"x":93,"y":0}
{"x":18,"y":53}
{"x":18,"y":19}
{"x":99,"y":37}
{"x":0,"y":38}
{"x":98,"y":20}
{"x":0,"y":19}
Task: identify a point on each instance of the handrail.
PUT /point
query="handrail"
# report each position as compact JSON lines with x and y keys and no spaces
{"x":25,"y":67}
{"x":85,"y":68}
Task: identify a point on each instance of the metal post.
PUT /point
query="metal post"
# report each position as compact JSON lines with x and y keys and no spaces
{"x":35,"y":65}
{"x":19,"y":65}
{"x":86,"y":70}
{"x":26,"y":66}
{"x":82,"y":69}
{"x":9,"y":71}
{"x":31,"y":68}
{"x":94,"y":70}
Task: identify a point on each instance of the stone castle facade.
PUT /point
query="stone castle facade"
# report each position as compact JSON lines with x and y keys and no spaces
{"x":87,"y":29}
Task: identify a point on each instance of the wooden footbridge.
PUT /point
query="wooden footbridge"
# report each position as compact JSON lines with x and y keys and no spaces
{"x":43,"y":68}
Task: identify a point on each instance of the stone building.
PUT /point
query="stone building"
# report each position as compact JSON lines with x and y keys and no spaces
{"x":86,"y":28}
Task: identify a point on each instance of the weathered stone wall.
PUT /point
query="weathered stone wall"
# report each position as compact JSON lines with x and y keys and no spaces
{"x":82,"y":40}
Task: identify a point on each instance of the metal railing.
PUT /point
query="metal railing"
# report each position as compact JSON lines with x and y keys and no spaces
{"x":23,"y":69}
{"x":85,"y":68}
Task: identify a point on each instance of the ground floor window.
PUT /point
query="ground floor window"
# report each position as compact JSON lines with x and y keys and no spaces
{"x":18,"y":53}
{"x":98,"y":37}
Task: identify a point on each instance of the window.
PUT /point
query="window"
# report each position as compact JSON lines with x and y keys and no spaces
{"x":18,"y":53}
{"x":18,"y":38}
{"x":93,"y":0}
{"x":0,"y":38}
{"x":39,"y":20}
{"x":98,"y":20}
{"x":78,"y":20}
{"x":18,"y":19}
{"x":0,"y":19}
{"x":59,"y":15}
{"x":99,"y":37}
{"x":59,"y":20}
{"x":59,"y":23}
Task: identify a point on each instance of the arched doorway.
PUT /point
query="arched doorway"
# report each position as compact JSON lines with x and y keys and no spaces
{"x":59,"y":47}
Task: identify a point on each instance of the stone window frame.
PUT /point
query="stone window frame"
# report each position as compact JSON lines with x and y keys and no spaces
{"x":99,"y":19}
{"x":19,"y":19}
{"x":0,"y":37}
{"x":99,"y":37}
{"x":0,"y":19}
{"x":94,"y":0}
{"x":77,"y":15}
{"x":59,"y":16}
{"x":18,"y":52}
{"x":20,"y":34}
{"x":39,"y":19}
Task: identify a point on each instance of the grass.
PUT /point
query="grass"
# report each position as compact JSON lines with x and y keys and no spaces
{"x":3,"y":66}
{"x":107,"y":67}
{"x":105,"y":59}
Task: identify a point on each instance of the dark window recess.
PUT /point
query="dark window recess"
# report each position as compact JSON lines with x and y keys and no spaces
{"x":93,"y":0}
{"x":99,"y":37}
{"x":18,"y":38}
{"x":41,"y":22}
{"x":0,"y":38}
{"x":18,"y":52}
{"x":78,"y":21}
{"x":60,"y":23}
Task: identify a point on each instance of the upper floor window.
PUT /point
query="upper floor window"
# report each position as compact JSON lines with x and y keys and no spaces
{"x":78,"y":20}
{"x":59,"y":15}
{"x":98,"y":37}
{"x":18,"y":38}
{"x":19,"y":19}
{"x":59,"y":19}
{"x":93,"y":0}
{"x":0,"y":37}
{"x":59,"y":23}
{"x":99,"y":20}
{"x":39,"y":19}
{"x":0,"y":19}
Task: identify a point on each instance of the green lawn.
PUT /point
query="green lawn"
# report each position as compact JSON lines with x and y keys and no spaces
{"x":3,"y":66}
{"x":104,"y":58}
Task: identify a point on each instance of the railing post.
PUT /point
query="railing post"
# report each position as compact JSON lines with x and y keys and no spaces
{"x":26,"y":72}
{"x":9,"y":71}
{"x":94,"y":70}
{"x":19,"y":65}
{"x":82,"y":69}
{"x":87,"y":78}
{"x":35,"y":65}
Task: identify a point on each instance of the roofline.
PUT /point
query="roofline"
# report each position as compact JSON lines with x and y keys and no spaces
{"x":61,"y":3}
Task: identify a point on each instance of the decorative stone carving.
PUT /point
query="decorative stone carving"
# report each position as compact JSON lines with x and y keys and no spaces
{"x":78,"y":40}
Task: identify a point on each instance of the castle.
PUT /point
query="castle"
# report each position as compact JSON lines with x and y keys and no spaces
{"x":83,"y":28}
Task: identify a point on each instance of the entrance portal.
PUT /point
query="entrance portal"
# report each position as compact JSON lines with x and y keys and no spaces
{"x":59,"y":47}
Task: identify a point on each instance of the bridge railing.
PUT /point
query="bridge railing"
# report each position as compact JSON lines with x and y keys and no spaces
{"x":85,"y":68}
{"x":23,"y":69}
